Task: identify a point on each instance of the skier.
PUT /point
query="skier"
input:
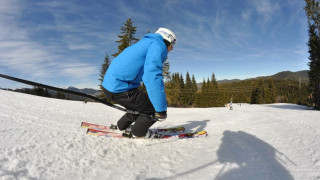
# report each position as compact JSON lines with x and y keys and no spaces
{"x":140,"y":62}
{"x":231,"y":108}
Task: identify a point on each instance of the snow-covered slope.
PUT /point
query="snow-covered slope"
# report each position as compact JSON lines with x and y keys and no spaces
{"x":41,"y":138}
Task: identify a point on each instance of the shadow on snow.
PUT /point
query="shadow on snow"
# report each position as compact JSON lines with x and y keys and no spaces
{"x":255,"y":158}
{"x":250,"y":157}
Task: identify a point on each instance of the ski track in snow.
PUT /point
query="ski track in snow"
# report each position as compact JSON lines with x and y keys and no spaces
{"x":41,"y":138}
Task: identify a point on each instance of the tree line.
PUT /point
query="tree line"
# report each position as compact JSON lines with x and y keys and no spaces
{"x":44,"y":93}
{"x":188,"y":93}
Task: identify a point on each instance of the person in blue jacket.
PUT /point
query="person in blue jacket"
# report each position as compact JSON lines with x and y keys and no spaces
{"x":140,"y":62}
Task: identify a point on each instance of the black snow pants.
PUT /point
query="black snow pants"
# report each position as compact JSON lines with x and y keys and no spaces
{"x":135,"y":100}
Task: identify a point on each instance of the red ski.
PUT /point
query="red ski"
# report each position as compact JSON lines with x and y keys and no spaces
{"x":165,"y":136}
{"x":113,"y":128}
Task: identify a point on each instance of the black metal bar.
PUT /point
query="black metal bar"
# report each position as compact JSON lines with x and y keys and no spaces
{"x":70,"y":92}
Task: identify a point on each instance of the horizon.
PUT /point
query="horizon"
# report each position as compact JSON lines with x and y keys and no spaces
{"x":64,"y":43}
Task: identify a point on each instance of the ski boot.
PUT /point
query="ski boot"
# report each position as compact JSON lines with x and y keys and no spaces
{"x":127,"y":133}
{"x":152,"y":135}
{"x":113,"y":127}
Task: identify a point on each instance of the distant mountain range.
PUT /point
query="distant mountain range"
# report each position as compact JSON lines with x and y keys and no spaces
{"x":303,"y":75}
{"x":296,"y":76}
{"x":92,"y":92}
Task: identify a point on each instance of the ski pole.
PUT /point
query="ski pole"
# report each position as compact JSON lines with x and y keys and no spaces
{"x":70,"y":92}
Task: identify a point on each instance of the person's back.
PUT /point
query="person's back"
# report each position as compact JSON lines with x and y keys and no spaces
{"x":126,"y":70}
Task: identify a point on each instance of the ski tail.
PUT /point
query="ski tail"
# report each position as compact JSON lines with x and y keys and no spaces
{"x":95,"y":126}
{"x":96,"y":132}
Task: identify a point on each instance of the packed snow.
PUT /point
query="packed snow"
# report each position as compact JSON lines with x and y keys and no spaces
{"x":41,"y":138}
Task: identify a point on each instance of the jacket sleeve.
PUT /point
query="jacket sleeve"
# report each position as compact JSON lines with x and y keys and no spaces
{"x":153,"y":78}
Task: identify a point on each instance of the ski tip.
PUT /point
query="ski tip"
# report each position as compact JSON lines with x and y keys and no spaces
{"x":204,"y":133}
{"x":201,"y":134}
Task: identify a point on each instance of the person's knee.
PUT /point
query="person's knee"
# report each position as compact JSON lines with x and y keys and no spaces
{"x":121,"y":126}
{"x":125,"y":121}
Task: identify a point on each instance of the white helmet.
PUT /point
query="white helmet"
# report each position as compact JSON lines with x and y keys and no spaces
{"x":168,"y":35}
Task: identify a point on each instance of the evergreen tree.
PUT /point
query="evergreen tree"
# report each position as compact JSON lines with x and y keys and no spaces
{"x":217,"y":97}
{"x":188,"y":90}
{"x":182,"y":91}
{"x":46,"y":93}
{"x":194,"y":84}
{"x":313,"y":13}
{"x":258,"y":94}
{"x":271,"y":92}
{"x":201,"y":100}
{"x":104,"y":68}
{"x":214,"y":81}
{"x":177,"y":90}
{"x":60,"y":95}
{"x":38,"y":91}
{"x":194,"y":90}
{"x":210,"y":93}
{"x":127,"y":36}
{"x":173,"y":90}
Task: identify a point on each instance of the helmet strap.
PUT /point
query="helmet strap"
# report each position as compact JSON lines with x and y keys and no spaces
{"x":167,"y":43}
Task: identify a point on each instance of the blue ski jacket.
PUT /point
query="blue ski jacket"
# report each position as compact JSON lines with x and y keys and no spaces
{"x":140,"y":62}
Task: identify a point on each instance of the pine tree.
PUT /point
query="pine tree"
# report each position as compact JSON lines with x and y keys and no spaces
{"x":313,"y":13}
{"x":60,"y":95}
{"x":127,"y":36}
{"x":182,"y":91}
{"x":194,"y":84}
{"x":201,"y":100}
{"x":271,"y":91}
{"x":214,"y":81}
{"x":210,"y":94}
{"x":188,"y":90}
{"x":173,"y":90}
{"x":258,"y":94}
{"x":103,"y":70}
{"x":176,"y":90}
{"x":194,"y":90}
{"x":38,"y":91}
{"x":217,"y":98}
{"x":46,"y":93}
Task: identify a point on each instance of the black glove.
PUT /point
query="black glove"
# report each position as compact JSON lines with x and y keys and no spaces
{"x":161,"y":116}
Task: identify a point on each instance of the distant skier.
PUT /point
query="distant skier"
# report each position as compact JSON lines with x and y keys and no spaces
{"x":140,"y":62}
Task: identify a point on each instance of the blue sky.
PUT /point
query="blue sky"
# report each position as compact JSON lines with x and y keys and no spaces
{"x":63,"y":43}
